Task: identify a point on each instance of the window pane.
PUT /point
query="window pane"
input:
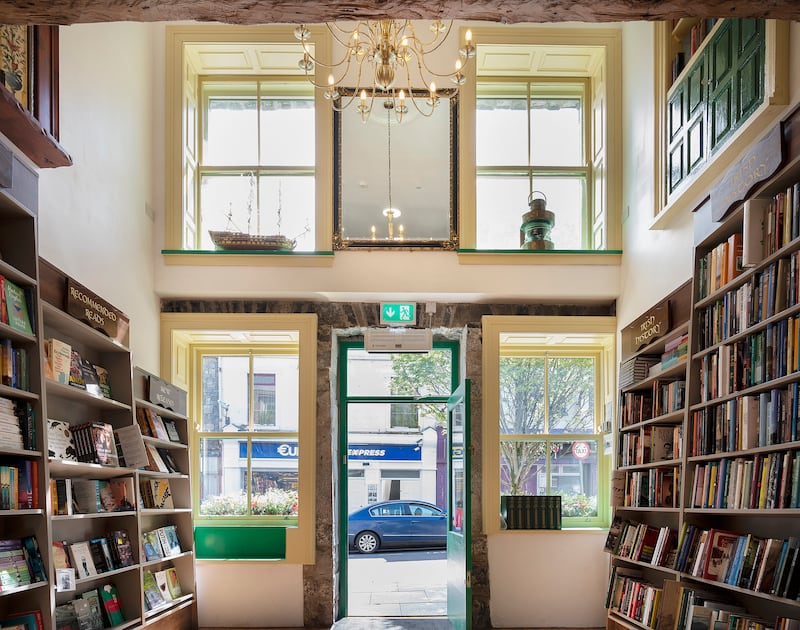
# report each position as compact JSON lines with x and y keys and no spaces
{"x":571,"y":394}
{"x":287,"y":207}
{"x":230,"y":137}
{"x":399,"y":374}
{"x":274,"y":477}
{"x":225,"y":393}
{"x":275,"y":407}
{"x":287,"y":132}
{"x":501,"y":202}
{"x":573,"y":475}
{"x":395,"y":417}
{"x":566,"y":197}
{"x":556,"y":132}
{"x":501,"y":128}
{"x":222,"y":488}
{"x":523,"y":467}
{"x":227,"y":202}
{"x":522,"y":395}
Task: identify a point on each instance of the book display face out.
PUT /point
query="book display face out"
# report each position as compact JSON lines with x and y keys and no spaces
{"x":724,"y":551}
{"x":69,"y":439}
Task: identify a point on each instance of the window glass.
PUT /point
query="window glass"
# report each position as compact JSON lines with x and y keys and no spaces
{"x":244,"y":472}
{"x":399,"y":374}
{"x":548,"y":443}
{"x":372,"y":416}
{"x":256,"y":172}
{"x":530,"y":136}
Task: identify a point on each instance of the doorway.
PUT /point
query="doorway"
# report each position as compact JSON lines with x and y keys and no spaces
{"x":393,"y":482}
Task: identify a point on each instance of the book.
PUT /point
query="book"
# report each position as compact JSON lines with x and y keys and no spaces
{"x":111,"y":605}
{"x":16,"y":307}
{"x":720,"y":550}
{"x":58,"y":355}
{"x":84,"y":614}
{"x":151,"y":546}
{"x":60,"y":443}
{"x":173,"y":583}
{"x":31,"y":620}
{"x":116,"y":495}
{"x":132,"y":446}
{"x":81,"y":559}
{"x":65,"y":617}
{"x":33,"y":557}
{"x":60,"y":556}
{"x":103,"y":380}
{"x":172,"y":430}
{"x":168,"y":538}
{"x":91,"y":381}
{"x":76,"y":371}
{"x":152,"y":594}
{"x":121,"y":548}
{"x":163,"y":586}
{"x":92,"y":597}
{"x":156,"y":493}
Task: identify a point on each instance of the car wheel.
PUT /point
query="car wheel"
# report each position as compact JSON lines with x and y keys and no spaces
{"x":367,"y":542}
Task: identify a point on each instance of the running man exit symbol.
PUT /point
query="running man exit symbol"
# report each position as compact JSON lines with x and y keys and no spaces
{"x":398,"y":313}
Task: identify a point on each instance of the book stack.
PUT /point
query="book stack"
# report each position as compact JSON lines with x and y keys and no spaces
{"x":642,"y":542}
{"x":635,"y":369}
{"x":10,"y":431}
{"x":675,"y":350}
{"x":19,"y":485}
{"x":94,"y":443}
{"x":20,"y":563}
{"x":156,"y":494}
{"x":96,"y":555}
{"x":161,"y":543}
{"x":95,"y":609}
{"x":14,"y":364}
{"x":532,"y":512}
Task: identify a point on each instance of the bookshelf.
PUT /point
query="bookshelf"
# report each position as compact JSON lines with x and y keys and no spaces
{"x":158,"y":400}
{"x":20,"y":385}
{"x":737,"y":553}
{"x":649,"y":464}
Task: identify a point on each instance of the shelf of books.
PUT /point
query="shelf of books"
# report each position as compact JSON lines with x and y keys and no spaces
{"x":734,"y":559}
{"x":648,"y":473}
{"x":24,"y":528}
{"x":165,"y":516}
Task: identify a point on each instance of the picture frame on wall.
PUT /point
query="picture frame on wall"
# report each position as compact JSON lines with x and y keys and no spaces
{"x":15,"y":61}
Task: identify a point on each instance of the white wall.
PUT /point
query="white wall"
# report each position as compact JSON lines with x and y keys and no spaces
{"x":92,"y":217}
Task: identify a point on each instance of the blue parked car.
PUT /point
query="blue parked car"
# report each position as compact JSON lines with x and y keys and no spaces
{"x":397,"y":524}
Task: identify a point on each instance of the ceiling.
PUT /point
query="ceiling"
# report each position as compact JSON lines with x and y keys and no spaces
{"x":316,"y":11}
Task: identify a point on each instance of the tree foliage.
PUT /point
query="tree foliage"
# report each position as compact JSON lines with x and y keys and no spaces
{"x":421,"y":375}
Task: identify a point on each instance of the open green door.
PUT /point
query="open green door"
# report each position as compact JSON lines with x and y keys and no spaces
{"x":459,"y":539}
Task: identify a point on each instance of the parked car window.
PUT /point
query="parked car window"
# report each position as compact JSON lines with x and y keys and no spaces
{"x":424,"y":510}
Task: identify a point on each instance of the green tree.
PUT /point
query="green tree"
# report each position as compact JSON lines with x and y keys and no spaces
{"x":420,"y":375}
{"x":565,"y":398}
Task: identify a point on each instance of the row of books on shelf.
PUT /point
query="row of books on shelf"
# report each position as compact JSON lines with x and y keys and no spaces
{"x":769,"y":418}
{"x":630,"y":595}
{"x":20,"y":563}
{"x":87,"y":558}
{"x":635,"y":369}
{"x":663,"y":397}
{"x":161,"y":587}
{"x":642,"y":542}
{"x":91,"y":496}
{"x":762,"y":356}
{"x":763,"y":481}
{"x":94,"y":609}
{"x":16,"y":306}
{"x":153,"y":425}
{"x":531,"y":511}
{"x":156,"y":494}
{"x":765,"y":565}
{"x":17,"y":424}
{"x":764,"y":295}
{"x":654,"y":487}
{"x":90,"y":442}
{"x":675,"y":350}
{"x":779,"y":219}
{"x":162,"y":542}
{"x":19,"y":484}
{"x":719,"y":266}
{"x":64,"y":364}
{"x":14,"y":365}
{"x":652,"y":443}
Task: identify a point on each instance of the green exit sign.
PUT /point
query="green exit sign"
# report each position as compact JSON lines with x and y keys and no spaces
{"x":398,"y":313}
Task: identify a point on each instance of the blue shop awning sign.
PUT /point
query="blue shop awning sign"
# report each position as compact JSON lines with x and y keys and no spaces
{"x":288,"y":450}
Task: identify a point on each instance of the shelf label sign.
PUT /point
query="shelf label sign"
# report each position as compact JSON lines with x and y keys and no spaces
{"x":398,"y":313}
{"x":93,"y":310}
{"x":647,"y":328}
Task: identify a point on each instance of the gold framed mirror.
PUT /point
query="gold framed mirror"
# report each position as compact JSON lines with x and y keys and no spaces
{"x":409,"y":166}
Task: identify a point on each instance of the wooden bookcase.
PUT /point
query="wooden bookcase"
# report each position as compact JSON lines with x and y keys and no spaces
{"x":649,"y":466}
{"x":49,"y":400}
{"x":740,"y":460}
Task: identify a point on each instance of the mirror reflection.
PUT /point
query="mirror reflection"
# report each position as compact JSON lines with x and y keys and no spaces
{"x":396,"y":180}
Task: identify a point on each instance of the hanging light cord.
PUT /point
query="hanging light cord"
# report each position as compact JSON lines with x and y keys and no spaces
{"x":389,"y":143}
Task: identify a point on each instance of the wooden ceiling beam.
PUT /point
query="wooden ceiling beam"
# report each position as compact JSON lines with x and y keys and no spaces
{"x":64,"y":12}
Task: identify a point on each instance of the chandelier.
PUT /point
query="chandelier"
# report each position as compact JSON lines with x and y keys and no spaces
{"x":383,"y":51}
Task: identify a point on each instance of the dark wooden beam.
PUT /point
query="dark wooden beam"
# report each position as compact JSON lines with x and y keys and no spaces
{"x":314,"y":11}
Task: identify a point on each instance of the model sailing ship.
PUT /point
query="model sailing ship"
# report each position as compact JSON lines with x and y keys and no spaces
{"x":229,"y":239}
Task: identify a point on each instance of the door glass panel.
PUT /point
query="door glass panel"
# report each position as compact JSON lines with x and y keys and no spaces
{"x":399,"y":374}
{"x":458,"y":487}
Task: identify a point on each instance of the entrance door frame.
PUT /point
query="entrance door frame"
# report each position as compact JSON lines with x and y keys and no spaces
{"x":343,"y":345}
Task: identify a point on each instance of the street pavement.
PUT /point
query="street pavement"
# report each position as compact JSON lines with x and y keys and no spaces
{"x":397,"y":584}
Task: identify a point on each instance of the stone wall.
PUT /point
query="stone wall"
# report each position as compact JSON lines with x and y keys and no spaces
{"x":339,"y":320}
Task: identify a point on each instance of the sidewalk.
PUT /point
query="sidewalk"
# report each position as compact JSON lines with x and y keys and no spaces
{"x":398,"y":584}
